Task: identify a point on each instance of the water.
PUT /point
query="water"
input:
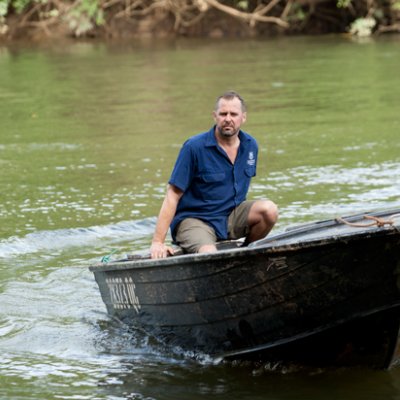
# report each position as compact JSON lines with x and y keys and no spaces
{"x":89,"y":133}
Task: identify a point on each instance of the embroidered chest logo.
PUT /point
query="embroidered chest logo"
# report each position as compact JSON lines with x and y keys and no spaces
{"x":251,"y":160}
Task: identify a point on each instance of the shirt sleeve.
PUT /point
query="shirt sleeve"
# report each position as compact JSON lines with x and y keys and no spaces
{"x":183,"y":171}
{"x":255,"y":169}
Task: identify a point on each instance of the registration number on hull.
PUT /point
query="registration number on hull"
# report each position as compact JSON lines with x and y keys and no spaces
{"x":122,"y":293}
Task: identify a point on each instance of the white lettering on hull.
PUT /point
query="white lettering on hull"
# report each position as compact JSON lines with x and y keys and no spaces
{"x":122,"y":293}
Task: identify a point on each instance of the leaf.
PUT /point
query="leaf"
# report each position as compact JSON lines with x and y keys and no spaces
{"x":396,"y":6}
{"x":343,"y":3}
{"x":243,"y":5}
{"x":3,"y":8}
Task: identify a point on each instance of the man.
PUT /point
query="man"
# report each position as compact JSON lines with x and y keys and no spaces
{"x":206,"y":196}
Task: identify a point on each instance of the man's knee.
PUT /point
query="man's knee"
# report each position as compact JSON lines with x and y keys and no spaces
{"x":265,"y":211}
{"x":271,"y":211}
{"x":262,"y":218}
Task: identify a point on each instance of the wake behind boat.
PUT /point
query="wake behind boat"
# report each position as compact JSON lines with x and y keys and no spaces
{"x":323,"y":293}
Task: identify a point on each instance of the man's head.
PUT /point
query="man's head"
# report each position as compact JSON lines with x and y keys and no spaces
{"x":230,"y":95}
{"x":229,"y":114}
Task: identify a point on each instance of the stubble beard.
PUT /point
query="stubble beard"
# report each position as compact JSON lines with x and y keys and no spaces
{"x":227,"y":133}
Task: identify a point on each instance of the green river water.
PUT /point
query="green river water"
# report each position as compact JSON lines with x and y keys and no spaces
{"x":89,"y":133}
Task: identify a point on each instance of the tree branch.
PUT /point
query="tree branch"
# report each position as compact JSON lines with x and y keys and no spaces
{"x":249,"y":17}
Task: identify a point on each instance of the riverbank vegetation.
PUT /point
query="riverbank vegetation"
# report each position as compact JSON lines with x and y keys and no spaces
{"x":36,"y":19}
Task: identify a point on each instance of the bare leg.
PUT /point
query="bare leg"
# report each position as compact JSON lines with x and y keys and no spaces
{"x":262,"y":218}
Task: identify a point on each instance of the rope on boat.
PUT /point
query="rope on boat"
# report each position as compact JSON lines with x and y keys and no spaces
{"x":379,"y":222}
{"x":105,"y":259}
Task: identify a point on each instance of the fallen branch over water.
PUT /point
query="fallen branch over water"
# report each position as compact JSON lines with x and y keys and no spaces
{"x":258,"y":15}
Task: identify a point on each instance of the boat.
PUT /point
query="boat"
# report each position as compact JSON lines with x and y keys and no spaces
{"x":321,"y":293}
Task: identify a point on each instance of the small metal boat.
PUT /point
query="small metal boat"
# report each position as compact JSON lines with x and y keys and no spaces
{"x":325,"y":293}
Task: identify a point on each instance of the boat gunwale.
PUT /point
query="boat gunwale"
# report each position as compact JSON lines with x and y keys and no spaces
{"x":228,"y":254}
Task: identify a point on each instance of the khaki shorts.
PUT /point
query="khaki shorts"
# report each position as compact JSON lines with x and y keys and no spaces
{"x":192,"y":233}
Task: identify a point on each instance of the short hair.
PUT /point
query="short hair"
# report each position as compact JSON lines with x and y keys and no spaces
{"x":230,"y":95}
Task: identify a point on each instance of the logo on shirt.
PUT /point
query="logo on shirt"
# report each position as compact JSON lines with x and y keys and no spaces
{"x":251,"y":160}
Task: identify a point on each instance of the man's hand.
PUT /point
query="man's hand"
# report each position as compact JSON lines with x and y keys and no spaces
{"x":160,"y":250}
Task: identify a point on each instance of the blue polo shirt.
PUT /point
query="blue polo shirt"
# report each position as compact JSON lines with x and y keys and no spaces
{"x":212,"y":185}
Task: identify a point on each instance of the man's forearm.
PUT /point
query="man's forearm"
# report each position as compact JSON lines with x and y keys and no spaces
{"x":166,"y":215}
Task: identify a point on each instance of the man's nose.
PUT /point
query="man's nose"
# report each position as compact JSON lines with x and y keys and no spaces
{"x":228,"y":117}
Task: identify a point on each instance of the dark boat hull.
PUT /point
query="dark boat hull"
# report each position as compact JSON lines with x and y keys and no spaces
{"x":334,"y":299}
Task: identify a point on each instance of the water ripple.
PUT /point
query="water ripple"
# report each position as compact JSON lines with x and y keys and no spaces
{"x":63,"y":239}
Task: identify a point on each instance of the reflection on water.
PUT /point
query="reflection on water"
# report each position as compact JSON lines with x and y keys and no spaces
{"x":89,"y":135}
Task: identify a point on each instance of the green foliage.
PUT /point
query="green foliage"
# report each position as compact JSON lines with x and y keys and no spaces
{"x":343,"y":3}
{"x":362,"y":27}
{"x":81,"y":18}
{"x":85,"y":16}
{"x":242,"y":4}
{"x":396,"y":5}
{"x":3,"y":8}
{"x":379,"y":14}
{"x":297,"y":14}
{"x":92,"y":9}
{"x":19,"y":5}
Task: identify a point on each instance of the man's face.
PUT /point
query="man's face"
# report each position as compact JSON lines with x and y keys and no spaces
{"x":229,"y":117}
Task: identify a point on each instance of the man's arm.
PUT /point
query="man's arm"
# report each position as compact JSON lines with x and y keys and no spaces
{"x":158,"y":248}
